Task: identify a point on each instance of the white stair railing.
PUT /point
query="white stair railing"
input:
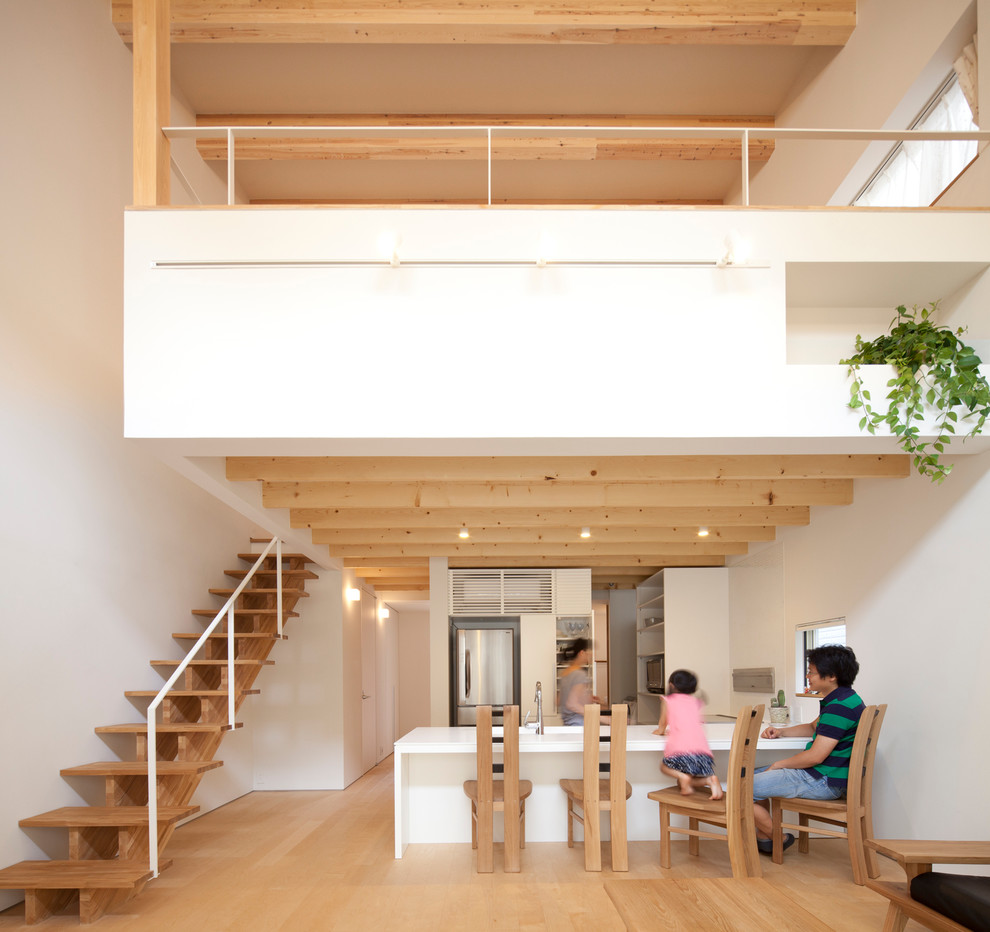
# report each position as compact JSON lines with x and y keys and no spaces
{"x":228,"y":612}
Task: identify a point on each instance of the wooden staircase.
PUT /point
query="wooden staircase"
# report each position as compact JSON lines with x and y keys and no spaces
{"x":108,"y":844}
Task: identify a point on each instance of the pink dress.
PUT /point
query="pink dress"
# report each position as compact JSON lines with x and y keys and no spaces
{"x":687,"y":747}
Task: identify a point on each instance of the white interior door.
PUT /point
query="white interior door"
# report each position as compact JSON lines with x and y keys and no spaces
{"x":369,"y":723}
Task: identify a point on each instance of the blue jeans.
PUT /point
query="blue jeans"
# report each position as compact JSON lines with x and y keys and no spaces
{"x":788,"y":784}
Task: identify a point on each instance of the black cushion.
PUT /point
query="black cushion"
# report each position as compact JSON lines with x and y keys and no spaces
{"x":963,"y":898}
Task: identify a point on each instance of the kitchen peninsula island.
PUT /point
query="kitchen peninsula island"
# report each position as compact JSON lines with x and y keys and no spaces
{"x":431,"y":765}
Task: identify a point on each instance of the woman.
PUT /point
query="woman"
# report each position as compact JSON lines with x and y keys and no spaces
{"x":575,"y":684}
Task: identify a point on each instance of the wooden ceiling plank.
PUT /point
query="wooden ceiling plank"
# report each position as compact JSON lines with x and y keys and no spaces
{"x":367,"y":518}
{"x":371,"y":572}
{"x":648,"y":560}
{"x":708,"y":22}
{"x":545,"y":535}
{"x":453,"y":495}
{"x":565,"y":468}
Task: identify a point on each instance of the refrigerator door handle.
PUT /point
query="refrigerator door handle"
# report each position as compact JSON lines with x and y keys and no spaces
{"x":467,"y":674}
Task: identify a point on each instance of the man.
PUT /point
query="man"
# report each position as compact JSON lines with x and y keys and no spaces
{"x":821,"y":770}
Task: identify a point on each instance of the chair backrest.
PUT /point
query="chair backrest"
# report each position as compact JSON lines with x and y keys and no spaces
{"x":864,"y":751}
{"x":510,"y":752}
{"x":484,"y":754}
{"x":742,"y":761}
{"x":616,"y":766}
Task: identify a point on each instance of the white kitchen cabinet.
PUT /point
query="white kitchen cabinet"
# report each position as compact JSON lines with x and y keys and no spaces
{"x":682,"y":615}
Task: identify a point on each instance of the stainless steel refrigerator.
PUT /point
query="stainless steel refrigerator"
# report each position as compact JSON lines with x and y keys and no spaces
{"x":484,"y":654}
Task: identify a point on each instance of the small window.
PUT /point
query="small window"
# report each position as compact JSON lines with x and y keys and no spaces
{"x":816,"y":634}
{"x":915,"y":174}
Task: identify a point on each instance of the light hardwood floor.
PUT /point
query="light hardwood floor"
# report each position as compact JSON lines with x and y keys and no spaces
{"x":324,"y":860}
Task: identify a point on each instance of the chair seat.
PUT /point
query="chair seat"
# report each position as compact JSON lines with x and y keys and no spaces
{"x":810,"y":806}
{"x":575,"y":789}
{"x":699,"y":802}
{"x":498,"y":789}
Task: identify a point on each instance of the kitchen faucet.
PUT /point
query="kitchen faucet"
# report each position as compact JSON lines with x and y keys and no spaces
{"x":539,"y":708}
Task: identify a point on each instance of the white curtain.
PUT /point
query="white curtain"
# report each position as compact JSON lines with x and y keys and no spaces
{"x":918,"y":172}
{"x":966,"y":72}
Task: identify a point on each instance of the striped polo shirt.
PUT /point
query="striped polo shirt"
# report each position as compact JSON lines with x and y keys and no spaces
{"x":838,"y":717}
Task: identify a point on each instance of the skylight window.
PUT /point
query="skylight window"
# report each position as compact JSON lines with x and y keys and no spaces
{"x":914,"y":174}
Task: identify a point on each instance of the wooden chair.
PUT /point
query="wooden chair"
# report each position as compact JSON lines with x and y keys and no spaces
{"x":917,"y":857}
{"x":854,"y":812}
{"x":593,"y":794}
{"x":489,"y":795}
{"x":733,"y":812}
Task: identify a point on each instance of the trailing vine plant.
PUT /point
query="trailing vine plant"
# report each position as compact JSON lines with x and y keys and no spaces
{"x":934,"y":368}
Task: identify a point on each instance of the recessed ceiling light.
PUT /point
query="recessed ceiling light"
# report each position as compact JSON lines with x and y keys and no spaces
{"x":586,"y":532}
{"x":463,"y":533}
{"x":702,"y":532}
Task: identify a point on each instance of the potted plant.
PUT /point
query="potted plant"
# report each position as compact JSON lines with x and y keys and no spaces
{"x":934,"y":369}
{"x":779,"y":712}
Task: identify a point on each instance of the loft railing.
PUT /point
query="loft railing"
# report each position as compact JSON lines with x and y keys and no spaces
{"x":228,"y":612}
{"x":490,"y":132}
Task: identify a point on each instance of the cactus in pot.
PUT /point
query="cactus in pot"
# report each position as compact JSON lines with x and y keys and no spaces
{"x":778,"y":709}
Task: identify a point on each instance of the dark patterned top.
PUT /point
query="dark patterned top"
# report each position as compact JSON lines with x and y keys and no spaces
{"x":838,"y":717}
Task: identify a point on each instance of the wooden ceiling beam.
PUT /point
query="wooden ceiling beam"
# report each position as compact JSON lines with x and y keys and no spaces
{"x":450,"y":148}
{"x":368,"y":518}
{"x":583,"y":549}
{"x":564,"y":468}
{"x":598,"y":22}
{"x":624,"y":560}
{"x":374,"y":572}
{"x":459,"y":495}
{"x":538,"y":536}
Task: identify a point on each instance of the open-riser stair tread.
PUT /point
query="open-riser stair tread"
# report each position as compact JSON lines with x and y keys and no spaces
{"x":138,"y":768}
{"x":238,"y":661}
{"x":141,"y":728}
{"x":74,"y":875}
{"x":191,"y":636}
{"x":294,"y":573}
{"x":100,"y":816}
{"x":245,"y":612}
{"x":286,"y":592}
{"x":187,"y":693}
{"x":298,"y":557}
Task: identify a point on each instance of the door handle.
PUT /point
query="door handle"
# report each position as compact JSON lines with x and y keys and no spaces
{"x":467,"y":673}
{"x":364,"y":696}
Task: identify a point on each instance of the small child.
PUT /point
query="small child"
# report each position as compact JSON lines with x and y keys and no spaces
{"x":687,"y":757}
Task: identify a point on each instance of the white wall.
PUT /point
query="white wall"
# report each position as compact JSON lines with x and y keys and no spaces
{"x":906,"y":564}
{"x":758,"y":635}
{"x":105,"y":550}
{"x":296,"y":723}
{"x":413,"y":670}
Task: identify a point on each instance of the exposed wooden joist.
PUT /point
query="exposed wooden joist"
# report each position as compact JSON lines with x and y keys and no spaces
{"x":449,"y":148}
{"x":648,"y":560}
{"x":585,"y":550}
{"x":708,"y":22}
{"x":480,"y":202}
{"x":539,"y":536}
{"x":456,"y":495}
{"x":774,"y":515}
{"x":372,"y":572}
{"x":152,"y":85}
{"x":564,"y":468}
{"x":422,"y":146}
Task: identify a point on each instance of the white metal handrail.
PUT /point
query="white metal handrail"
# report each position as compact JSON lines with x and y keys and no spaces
{"x":152,"y":743}
{"x":489,"y":131}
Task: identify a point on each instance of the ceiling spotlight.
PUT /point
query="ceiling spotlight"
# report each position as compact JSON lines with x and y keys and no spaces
{"x":353,"y":595}
{"x":464,"y":533}
{"x":702,"y":532}
{"x":586,"y":532}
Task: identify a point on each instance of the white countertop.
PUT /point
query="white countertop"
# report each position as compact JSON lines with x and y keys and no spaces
{"x":568,"y":738}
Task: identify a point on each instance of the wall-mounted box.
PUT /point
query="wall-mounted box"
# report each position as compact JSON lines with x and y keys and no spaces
{"x":753,"y":680}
